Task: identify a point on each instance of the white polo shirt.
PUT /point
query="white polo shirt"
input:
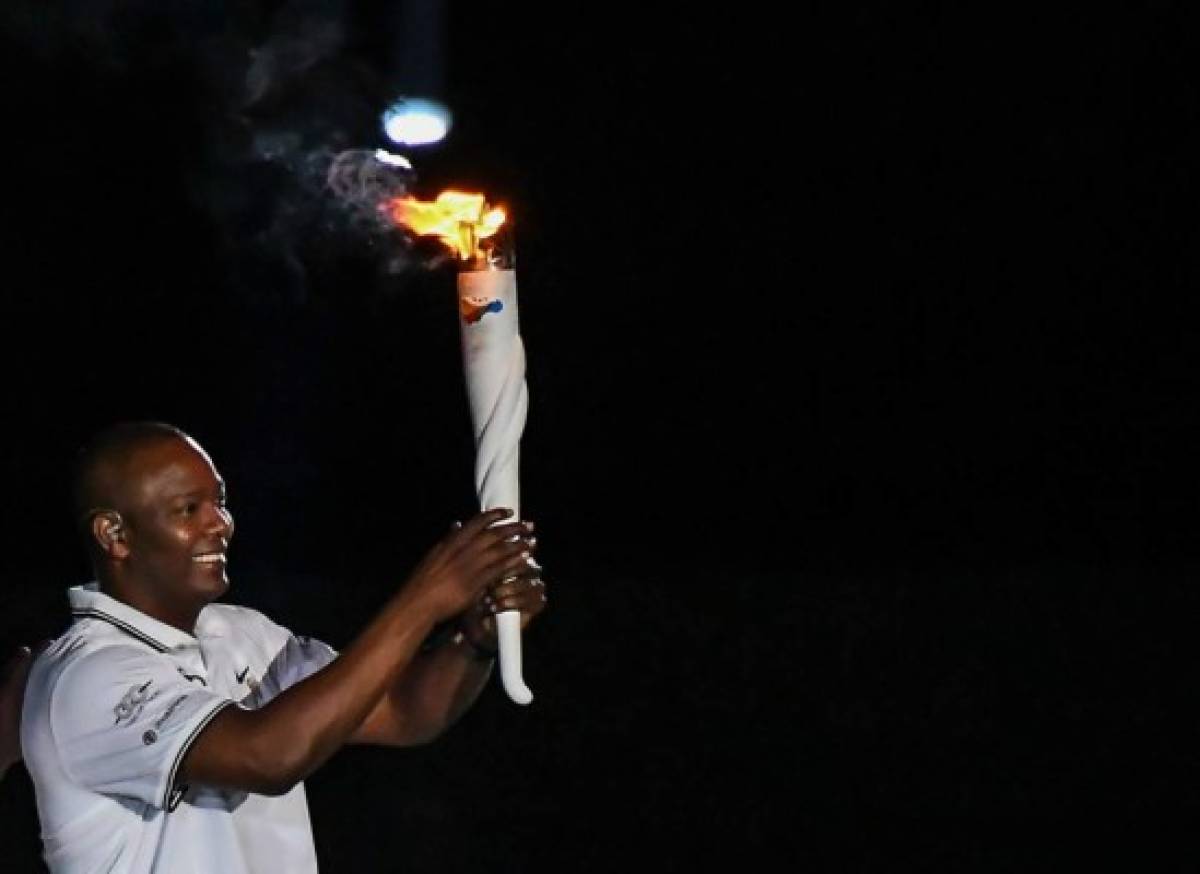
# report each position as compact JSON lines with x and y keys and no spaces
{"x":110,"y":710}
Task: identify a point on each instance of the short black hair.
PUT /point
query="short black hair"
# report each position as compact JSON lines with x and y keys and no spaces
{"x":105,"y":453}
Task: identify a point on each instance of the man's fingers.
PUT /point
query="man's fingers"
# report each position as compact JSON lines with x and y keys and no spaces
{"x":485,"y":520}
{"x":517,"y":590}
{"x":496,"y":568}
{"x":510,"y":531}
{"x":500,"y":546}
{"x":506,"y":558}
{"x":485,"y":529}
{"x":515,"y":528}
{"x":521,"y":580}
{"x":463,"y":532}
{"x":525,"y":596}
{"x":527,"y":601}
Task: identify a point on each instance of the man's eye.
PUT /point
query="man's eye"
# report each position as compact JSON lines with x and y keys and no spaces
{"x":189,"y":508}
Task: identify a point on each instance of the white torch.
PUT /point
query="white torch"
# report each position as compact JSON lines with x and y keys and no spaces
{"x":493,"y":364}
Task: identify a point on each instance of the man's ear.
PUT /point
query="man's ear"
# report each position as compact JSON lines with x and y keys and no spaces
{"x":109,"y":533}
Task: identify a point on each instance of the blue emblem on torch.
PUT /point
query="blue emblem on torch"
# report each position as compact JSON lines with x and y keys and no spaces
{"x":472,"y":312}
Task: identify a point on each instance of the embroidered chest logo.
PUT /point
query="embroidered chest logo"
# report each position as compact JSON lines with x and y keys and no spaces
{"x":133,"y":702}
{"x":244,"y":676}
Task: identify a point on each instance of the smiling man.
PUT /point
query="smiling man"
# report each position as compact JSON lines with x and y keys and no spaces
{"x":167,"y":733}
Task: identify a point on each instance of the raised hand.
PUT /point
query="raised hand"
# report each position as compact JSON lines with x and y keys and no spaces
{"x":524,"y":591}
{"x":472,"y":558}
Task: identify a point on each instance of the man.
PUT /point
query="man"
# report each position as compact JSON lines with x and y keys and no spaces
{"x":167,"y":733}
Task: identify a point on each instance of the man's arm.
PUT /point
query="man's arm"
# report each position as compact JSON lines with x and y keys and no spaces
{"x":12,"y":689}
{"x":440,"y":685}
{"x":270,"y":749}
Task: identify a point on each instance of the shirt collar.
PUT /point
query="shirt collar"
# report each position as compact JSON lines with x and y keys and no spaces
{"x":88,"y":601}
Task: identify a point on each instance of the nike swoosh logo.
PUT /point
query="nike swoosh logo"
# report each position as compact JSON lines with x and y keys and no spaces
{"x":242,"y":675}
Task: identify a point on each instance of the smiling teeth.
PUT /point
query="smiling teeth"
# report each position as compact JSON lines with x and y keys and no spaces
{"x":209,"y":557}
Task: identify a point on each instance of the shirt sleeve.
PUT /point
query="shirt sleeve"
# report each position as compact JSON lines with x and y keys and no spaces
{"x":123,"y":718}
{"x":296,"y":659}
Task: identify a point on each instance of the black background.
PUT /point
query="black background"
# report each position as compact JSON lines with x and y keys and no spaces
{"x":860,"y":442}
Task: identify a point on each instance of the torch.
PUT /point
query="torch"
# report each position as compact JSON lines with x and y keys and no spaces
{"x":493,"y":364}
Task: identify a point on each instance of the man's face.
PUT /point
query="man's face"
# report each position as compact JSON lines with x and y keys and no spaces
{"x":177,"y":524}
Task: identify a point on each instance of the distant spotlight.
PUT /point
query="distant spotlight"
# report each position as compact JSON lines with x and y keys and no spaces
{"x":416,"y":122}
{"x":392,"y":160}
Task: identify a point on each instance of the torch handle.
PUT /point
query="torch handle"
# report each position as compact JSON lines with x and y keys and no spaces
{"x":494,"y":366}
{"x":508,"y":627}
{"x":497,"y":461}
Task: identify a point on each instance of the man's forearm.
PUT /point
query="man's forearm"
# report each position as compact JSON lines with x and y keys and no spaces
{"x":433,"y":693}
{"x":270,"y":749}
{"x":439,"y":685}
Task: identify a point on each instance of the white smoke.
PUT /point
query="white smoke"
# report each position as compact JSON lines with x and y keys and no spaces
{"x":279,"y":109}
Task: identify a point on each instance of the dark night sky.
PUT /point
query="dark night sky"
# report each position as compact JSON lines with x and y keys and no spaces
{"x":862,"y":385}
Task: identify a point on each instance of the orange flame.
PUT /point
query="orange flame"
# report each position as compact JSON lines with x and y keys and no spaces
{"x":459,"y":219}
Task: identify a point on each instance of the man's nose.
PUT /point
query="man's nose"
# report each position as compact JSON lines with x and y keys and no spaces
{"x":221,"y":522}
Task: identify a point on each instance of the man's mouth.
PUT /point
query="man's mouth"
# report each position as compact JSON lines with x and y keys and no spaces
{"x":209,"y":558}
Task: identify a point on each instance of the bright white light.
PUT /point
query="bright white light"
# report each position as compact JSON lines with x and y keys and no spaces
{"x":392,"y":159}
{"x":416,"y":122}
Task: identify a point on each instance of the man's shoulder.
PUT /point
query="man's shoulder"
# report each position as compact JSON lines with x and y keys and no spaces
{"x":89,"y":642}
{"x":102,"y":651}
{"x":82,"y":662}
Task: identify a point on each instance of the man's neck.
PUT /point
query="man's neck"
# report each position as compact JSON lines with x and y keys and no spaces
{"x":182,"y":617}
